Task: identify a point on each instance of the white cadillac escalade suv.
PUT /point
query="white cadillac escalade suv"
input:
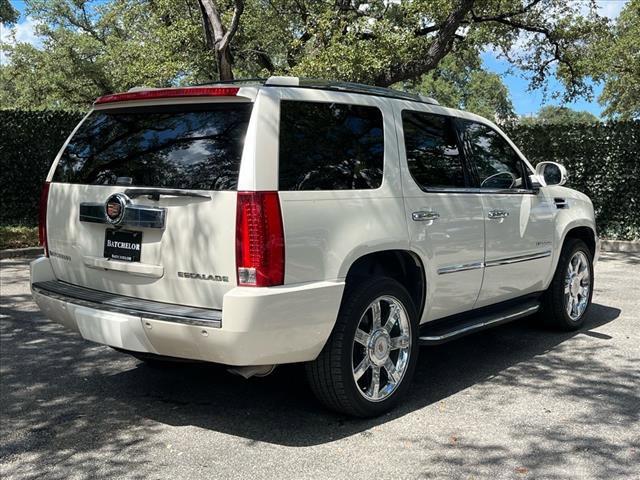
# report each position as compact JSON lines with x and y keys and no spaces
{"x":334,"y":224}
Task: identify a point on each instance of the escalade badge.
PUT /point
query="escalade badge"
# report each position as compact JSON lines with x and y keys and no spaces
{"x":115,"y":208}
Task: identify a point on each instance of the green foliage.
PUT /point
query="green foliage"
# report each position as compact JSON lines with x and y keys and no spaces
{"x":616,"y":61}
{"x":602,"y":161}
{"x":18,"y":236}
{"x":462,"y":83}
{"x":92,"y":48}
{"x":29,"y":141}
{"x":8,"y":14}
{"x":552,"y":114}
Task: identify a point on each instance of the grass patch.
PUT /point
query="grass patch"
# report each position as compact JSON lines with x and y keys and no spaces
{"x":18,"y":237}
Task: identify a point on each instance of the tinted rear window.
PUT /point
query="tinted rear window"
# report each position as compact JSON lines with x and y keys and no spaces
{"x":330,"y":146}
{"x":433,"y":156}
{"x":194,"y":147}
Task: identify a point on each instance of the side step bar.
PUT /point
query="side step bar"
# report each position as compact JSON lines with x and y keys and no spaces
{"x":442,"y":332}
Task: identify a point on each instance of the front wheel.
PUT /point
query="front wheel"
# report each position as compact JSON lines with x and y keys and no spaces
{"x":368,"y":362}
{"x":568,"y":298}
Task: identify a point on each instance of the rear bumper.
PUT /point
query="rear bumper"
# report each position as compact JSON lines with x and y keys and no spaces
{"x":257,"y":326}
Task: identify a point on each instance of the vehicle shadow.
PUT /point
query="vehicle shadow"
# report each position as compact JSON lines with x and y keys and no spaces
{"x":280,"y":409}
{"x":67,"y":395}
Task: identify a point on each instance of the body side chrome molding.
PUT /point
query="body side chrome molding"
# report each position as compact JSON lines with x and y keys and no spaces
{"x":140,"y":216}
{"x":460,"y":268}
{"x":517,"y":259}
{"x":492,"y":263}
{"x":145,"y":309}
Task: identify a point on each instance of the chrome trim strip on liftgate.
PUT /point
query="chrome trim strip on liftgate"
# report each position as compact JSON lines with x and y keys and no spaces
{"x":139,"y":216}
{"x":492,"y":263}
{"x":137,"y":307}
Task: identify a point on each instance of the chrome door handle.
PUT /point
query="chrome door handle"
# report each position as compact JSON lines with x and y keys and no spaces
{"x":497,"y":214}
{"x":424,"y":216}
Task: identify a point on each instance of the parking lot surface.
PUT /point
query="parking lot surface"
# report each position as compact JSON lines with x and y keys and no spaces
{"x":513,"y":402}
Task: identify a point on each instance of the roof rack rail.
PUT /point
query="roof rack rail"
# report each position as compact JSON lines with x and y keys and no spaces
{"x":347,"y":87}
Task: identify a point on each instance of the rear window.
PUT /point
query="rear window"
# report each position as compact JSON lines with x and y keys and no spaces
{"x":330,"y":146}
{"x":193,"y":147}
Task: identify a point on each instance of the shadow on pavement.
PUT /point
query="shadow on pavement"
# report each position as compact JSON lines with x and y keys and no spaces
{"x":69,"y":397}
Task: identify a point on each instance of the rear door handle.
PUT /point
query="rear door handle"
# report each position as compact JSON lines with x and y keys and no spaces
{"x":425,"y":216}
{"x":497,"y":214}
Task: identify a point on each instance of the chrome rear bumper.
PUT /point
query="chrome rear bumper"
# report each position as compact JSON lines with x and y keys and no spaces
{"x":128,"y":305}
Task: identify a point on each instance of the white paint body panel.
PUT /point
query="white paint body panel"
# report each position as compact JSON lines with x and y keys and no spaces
{"x":325,"y":233}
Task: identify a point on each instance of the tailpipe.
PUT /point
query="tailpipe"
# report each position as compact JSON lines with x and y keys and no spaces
{"x":252,"y":370}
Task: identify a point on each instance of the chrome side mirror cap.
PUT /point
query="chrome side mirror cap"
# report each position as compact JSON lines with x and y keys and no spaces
{"x":551,"y":173}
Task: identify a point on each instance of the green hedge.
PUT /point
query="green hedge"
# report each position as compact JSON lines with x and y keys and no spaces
{"x":29,"y":141}
{"x":603,"y":161}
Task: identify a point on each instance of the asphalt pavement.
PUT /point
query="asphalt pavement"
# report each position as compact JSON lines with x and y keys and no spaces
{"x":515,"y":402}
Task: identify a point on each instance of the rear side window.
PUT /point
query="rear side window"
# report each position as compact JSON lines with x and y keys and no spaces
{"x":195,"y":147}
{"x":433,"y":156}
{"x":330,"y":146}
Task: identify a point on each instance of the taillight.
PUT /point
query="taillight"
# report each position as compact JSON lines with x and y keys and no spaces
{"x":259,"y":239}
{"x":42,"y":220}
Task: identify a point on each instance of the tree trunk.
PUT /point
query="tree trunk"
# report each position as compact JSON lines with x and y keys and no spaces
{"x":225,"y":70}
{"x":222,"y":35}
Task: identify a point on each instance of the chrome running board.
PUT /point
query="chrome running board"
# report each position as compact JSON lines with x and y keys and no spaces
{"x":445,"y":331}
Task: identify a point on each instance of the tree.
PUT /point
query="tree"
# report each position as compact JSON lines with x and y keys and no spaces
{"x":90,"y":50}
{"x":94,"y":48}
{"x":462,"y":83}
{"x":615,"y":60}
{"x":552,"y":114}
{"x":8,"y":14}
{"x":383,"y":43}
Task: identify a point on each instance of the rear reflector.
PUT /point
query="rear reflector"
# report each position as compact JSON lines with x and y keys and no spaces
{"x":259,"y":239}
{"x":169,"y":93}
{"x":42,"y":218}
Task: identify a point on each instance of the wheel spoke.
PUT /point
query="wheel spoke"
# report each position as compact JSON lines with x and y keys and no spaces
{"x":393,"y":319}
{"x":393,"y":374}
{"x":362,"y":367}
{"x":376,"y":317}
{"x":567,"y":286}
{"x":374,"y":387}
{"x":399,"y":342}
{"x":570,"y":306}
{"x":362,"y":337}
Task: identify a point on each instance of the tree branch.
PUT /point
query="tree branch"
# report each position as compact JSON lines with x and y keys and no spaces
{"x":439,"y":47}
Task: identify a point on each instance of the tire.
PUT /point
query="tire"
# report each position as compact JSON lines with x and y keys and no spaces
{"x":332,"y":376}
{"x":565,"y":287}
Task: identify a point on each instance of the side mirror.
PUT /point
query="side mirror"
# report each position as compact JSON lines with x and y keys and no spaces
{"x":552,"y":173}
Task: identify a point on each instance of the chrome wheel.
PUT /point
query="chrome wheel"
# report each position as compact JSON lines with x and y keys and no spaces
{"x":381,"y":348}
{"x":577,"y":285}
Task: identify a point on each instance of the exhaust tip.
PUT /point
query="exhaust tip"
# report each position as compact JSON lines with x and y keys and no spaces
{"x":252,"y":371}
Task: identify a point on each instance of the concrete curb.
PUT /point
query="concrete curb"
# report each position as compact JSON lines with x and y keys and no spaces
{"x":620,"y":246}
{"x":21,"y":252}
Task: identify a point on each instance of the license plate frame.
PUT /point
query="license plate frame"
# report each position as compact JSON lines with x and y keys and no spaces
{"x":122,"y":245}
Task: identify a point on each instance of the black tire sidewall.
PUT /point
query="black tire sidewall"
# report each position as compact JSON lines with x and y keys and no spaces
{"x":356,"y":302}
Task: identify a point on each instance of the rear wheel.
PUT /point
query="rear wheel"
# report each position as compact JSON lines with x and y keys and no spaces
{"x":368,"y":362}
{"x":568,"y":298}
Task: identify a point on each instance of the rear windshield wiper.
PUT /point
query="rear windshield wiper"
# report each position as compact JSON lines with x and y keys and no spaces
{"x":154,"y":193}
